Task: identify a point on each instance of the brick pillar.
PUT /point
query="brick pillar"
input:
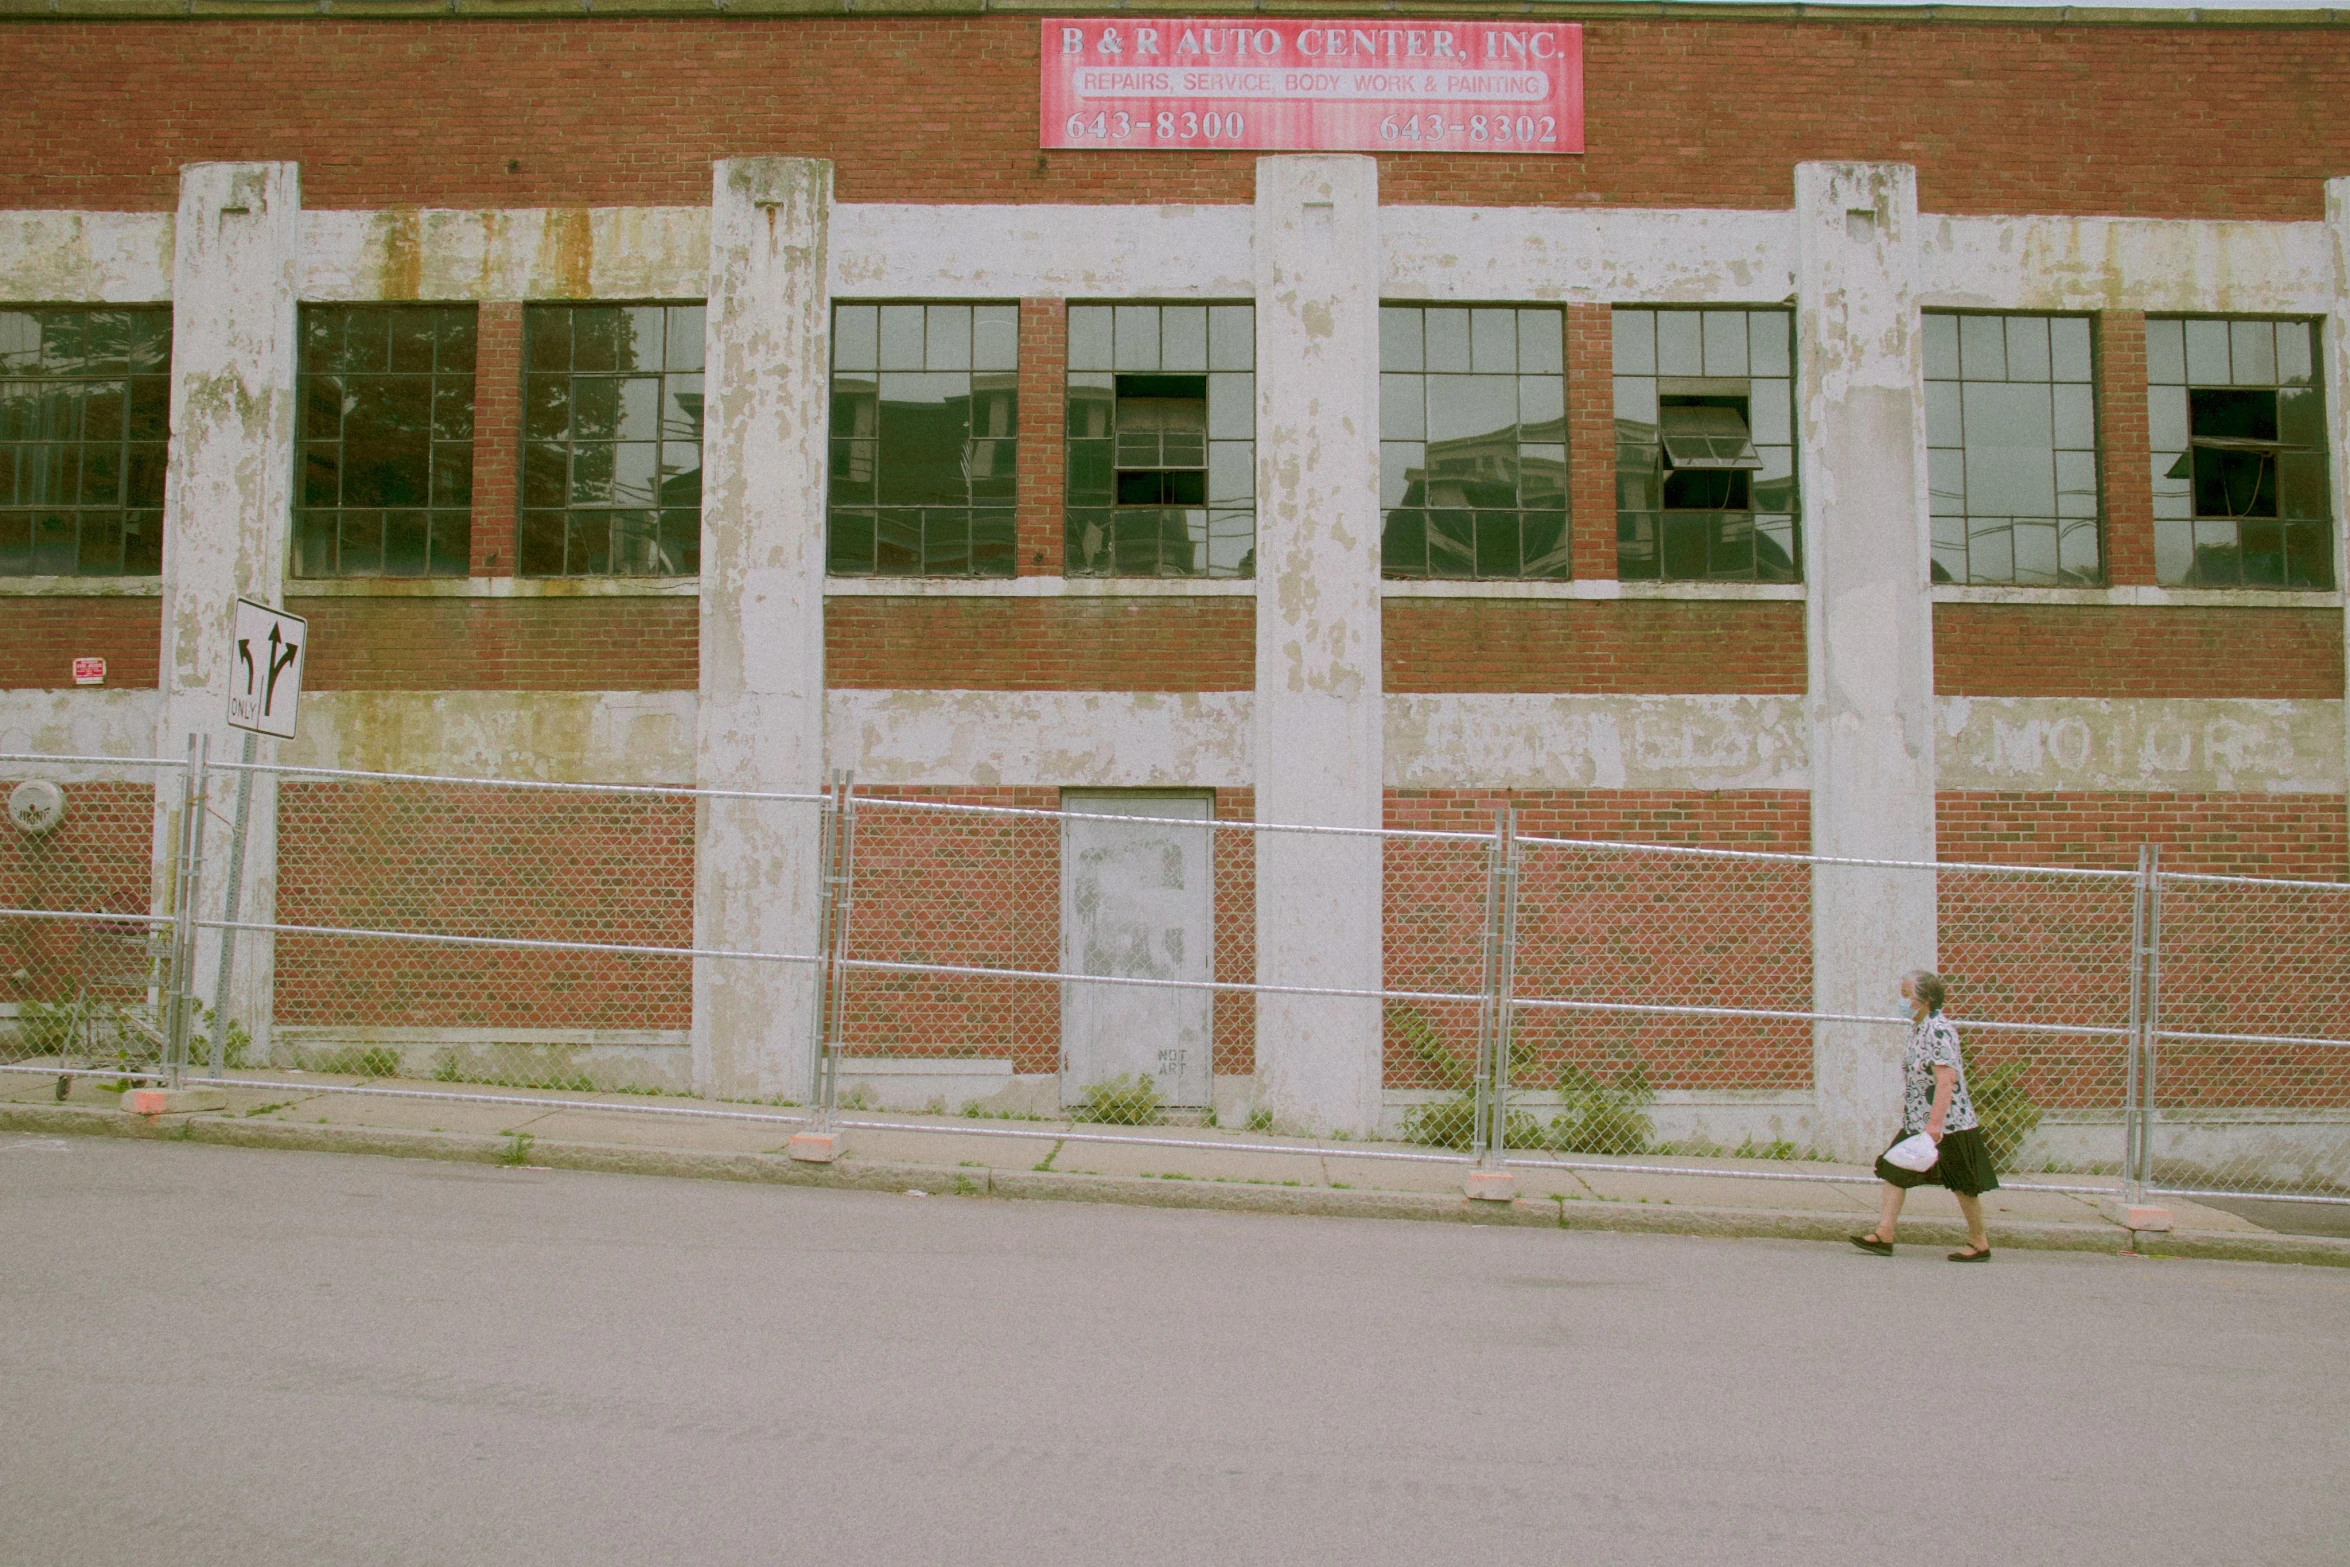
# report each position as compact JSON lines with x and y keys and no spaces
{"x":2127,"y":473}
{"x":1591,"y":439}
{"x":497,"y":435}
{"x":1044,"y":417}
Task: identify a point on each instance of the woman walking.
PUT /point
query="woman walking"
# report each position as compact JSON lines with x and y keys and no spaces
{"x":1934,"y":1101}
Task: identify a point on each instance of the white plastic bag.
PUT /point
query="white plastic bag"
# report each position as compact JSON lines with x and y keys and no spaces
{"x":1915,"y":1152}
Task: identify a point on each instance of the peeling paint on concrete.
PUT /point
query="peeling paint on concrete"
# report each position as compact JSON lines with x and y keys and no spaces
{"x":81,"y":723}
{"x":1009,"y":252}
{"x":516,"y":253}
{"x":1596,"y":742}
{"x":543,"y":736}
{"x":2070,"y":263}
{"x":1623,"y":257}
{"x":112,"y":258}
{"x":1075,"y":739}
{"x":2145,"y":745}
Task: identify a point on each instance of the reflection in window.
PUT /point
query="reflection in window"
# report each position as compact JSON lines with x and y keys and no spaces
{"x":1472,"y":442}
{"x":612,"y":441}
{"x":1705,"y":447}
{"x":2011,"y":449}
{"x":1162,"y":441}
{"x":386,"y":458}
{"x":2238,"y":430}
{"x":85,"y":400}
{"x":925,"y":440}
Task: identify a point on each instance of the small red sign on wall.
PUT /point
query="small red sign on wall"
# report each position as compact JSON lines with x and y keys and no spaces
{"x":1255,"y":83}
{"x":89,"y":671}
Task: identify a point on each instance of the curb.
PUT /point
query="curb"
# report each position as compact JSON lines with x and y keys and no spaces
{"x":1150,"y":1192}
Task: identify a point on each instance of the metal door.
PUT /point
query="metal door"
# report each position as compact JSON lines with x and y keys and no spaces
{"x":1136,"y":902}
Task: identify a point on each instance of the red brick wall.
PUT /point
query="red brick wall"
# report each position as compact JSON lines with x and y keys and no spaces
{"x":2289,"y":835}
{"x":2027,"y":117}
{"x":1040,"y":644}
{"x":2121,"y":650}
{"x":1602,"y":925}
{"x":1044,"y":415}
{"x":97,"y":860}
{"x":41,"y":637}
{"x":2125,"y":458}
{"x":1593,"y":645}
{"x":1591,"y":439}
{"x":525,"y":865}
{"x":535,"y":644}
{"x":497,"y":436}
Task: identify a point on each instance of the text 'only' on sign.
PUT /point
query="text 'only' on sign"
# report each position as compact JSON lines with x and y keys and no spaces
{"x":1228,"y":84}
{"x":265,"y":669}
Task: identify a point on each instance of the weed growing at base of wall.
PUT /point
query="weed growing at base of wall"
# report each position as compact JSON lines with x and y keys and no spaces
{"x":1121,"y":1101}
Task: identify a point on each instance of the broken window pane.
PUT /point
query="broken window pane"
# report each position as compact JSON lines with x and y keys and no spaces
{"x":2239,"y":451}
{"x":1168,"y":432}
{"x":1705,"y":446}
{"x":2011,"y":438}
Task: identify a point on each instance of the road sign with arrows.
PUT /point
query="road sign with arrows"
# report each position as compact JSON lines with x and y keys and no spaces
{"x":265,"y":669}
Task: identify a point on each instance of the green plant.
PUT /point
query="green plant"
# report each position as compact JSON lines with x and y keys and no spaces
{"x":1777,"y":1148}
{"x":1121,"y":1101}
{"x":1260,"y":1118}
{"x":517,"y":1149}
{"x":1603,"y":1115}
{"x":2008,"y":1112}
{"x":1452,"y":1123}
{"x":236,"y":1047}
{"x":44,"y":1030}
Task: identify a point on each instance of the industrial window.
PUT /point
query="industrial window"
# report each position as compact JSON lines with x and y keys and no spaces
{"x":1473,"y":442}
{"x":1162,"y":441}
{"x":1705,"y":447}
{"x":2011,"y":449}
{"x":386,"y":458}
{"x":925,"y":440}
{"x":85,"y":400}
{"x":2238,"y":429}
{"x":612,"y":441}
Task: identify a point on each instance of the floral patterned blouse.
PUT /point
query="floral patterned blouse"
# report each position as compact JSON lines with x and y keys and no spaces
{"x":1933,"y":1043}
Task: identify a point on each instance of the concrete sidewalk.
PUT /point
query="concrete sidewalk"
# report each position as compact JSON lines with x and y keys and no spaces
{"x":1166,"y":1166}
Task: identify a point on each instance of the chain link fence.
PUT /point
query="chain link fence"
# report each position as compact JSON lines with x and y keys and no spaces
{"x":1093,"y":958}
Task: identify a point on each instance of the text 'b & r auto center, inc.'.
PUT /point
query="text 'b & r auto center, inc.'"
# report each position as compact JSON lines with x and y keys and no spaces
{"x":1336,"y":86}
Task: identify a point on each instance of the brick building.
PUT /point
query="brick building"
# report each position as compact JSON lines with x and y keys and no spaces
{"x":1901,"y":434}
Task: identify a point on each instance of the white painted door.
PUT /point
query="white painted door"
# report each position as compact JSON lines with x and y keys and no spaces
{"x":1136,"y":903}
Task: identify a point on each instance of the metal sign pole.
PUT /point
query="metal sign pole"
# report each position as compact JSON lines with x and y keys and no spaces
{"x":235,"y":895}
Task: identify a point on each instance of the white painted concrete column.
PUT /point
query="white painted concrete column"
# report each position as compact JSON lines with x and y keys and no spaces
{"x":227,"y":517}
{"x":2336,"y":373}
{"x":760,"y":717}
{"x":1860,"y":365}
{"x":1318,"y":691}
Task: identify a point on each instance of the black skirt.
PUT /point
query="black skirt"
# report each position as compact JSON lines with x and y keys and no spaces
{"x":1964,"y":1165}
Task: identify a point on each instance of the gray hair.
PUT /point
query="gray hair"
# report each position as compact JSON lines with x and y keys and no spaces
{"x":1927,"y":986}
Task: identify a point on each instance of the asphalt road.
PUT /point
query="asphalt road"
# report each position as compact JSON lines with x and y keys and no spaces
{"x":220,"y":1355}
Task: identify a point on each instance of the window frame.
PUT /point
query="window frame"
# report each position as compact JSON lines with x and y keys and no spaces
{"x":875,"y":520}
{"x":1650,"y":534}
{"x":1957,"y":530}
{"x":138,"y":452}
{"x":673,"y":539}
{"x":1496,"y":540}
{"x":455,"y":560}
{"x":1104,"y":538}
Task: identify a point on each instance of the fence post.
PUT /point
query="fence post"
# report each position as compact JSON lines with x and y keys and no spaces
{"x":2134,"y":1211}
{"x":2152,"y":1024}
{"x":2141,"y":896}
{"x":234,"y":891}
{"x":1491,"y":1181}
{"x":821,"y":1142}
{"x":179,"y":996}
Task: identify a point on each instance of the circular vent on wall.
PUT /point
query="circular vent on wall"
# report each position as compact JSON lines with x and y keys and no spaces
{"x":36,"y":805}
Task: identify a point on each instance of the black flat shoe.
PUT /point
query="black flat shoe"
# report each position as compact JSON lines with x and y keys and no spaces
{"x":1970,"y":1256}
{"x":1873,"y":1246}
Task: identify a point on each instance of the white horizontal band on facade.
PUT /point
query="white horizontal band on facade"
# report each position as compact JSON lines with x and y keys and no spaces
{"x":1627,"y":256}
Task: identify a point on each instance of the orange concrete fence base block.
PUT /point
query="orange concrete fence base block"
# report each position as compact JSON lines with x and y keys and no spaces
{"x":152,"y":1102}
{"x":2138,"y":1216}
{"x":1490,"y":1186}
{"x":816,"y":1147}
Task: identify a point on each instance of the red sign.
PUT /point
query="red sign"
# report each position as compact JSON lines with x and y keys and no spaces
{"x":89,"y":671}
{"x":1264,"y":85}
